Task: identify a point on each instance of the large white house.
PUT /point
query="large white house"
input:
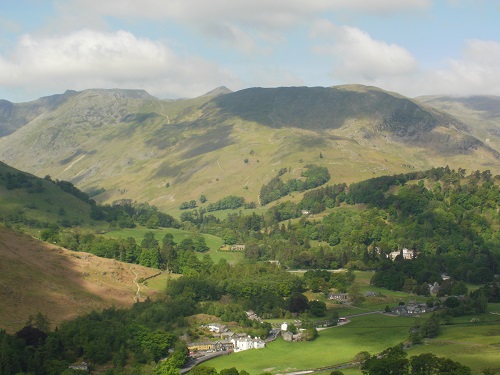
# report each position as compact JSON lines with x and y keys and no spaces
{"x":245,"y":343}
{"x":406,"y":253}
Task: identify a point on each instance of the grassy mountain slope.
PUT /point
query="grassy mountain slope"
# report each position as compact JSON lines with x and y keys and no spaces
{"x":222,"y":143}
{"x":61,"y":284}
{"x":14,"y":116}
{"x":482,"y":113}
{"x":36,"y":202}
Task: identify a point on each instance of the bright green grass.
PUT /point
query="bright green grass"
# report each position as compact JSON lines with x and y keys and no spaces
{"x":352,"y":371}
{"x":372,"y":333}
{"x":363,"y":277}
{"x":476,"y":346}
{"x":347,"y":371}
{"x":50,"y":206}
{"x":159,"y":283}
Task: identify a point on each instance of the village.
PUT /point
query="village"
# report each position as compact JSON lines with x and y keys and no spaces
{"x":223,"y":339}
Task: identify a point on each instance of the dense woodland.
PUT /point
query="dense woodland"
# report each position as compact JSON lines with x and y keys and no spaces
{"x":135,"y":337}
{"x":448,"y":218}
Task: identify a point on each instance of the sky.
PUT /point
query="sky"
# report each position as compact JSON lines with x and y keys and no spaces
{"x":185,"y":48}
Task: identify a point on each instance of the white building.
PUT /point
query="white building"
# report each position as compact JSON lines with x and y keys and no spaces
{"x":406,"y":253}
{"x":246,"y":343}
{"x":259,"y":344}
{"x":217,"y":328}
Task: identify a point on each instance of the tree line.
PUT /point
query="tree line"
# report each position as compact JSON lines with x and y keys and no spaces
{"x":167,"y":254}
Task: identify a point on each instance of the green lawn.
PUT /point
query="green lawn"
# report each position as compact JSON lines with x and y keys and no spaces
{"x":352,"y":371}
{"x":372,"y":333}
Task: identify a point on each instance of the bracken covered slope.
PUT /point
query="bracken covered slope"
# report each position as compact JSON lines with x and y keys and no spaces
{"x":61,"y":284}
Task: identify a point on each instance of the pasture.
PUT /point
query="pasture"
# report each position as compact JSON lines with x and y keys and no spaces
{"x":372,"y":333}
{"x":476,"y":345}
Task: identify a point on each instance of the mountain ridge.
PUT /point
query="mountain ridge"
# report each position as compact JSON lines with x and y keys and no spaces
{"x":481,"y":112}
{"x":138,"y":147}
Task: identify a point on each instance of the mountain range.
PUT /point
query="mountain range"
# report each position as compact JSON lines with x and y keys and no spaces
{"x":126,"y":144}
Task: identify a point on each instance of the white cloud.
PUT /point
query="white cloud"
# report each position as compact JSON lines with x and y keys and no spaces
{"x":356,"y":56}
{"x":273,"y":14}
{"x":88,"y":58}
{"x":244,"y":24}
{"x":476,"y":72}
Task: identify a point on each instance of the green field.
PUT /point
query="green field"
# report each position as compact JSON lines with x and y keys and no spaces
{"x":474,"y":345}
{"x":159,"y":283}
{"x":372,"y":333}
{"x":494,"y":308}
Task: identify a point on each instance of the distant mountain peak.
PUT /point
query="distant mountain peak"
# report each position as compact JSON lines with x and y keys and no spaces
{"x":122,"y":93}
{"x":221,"y":90}
{"x":357,"y":87}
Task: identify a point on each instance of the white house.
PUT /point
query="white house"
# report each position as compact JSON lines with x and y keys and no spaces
{"x":406,"y":253}
{"x":240,"y":344}
{"x":246,"y":343}
{"x":342,"y":297}
{"x":217,"y":328}
{"x":259,"y":344}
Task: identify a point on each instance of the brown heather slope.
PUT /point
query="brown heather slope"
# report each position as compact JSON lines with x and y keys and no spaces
{"x":61,"y":284}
